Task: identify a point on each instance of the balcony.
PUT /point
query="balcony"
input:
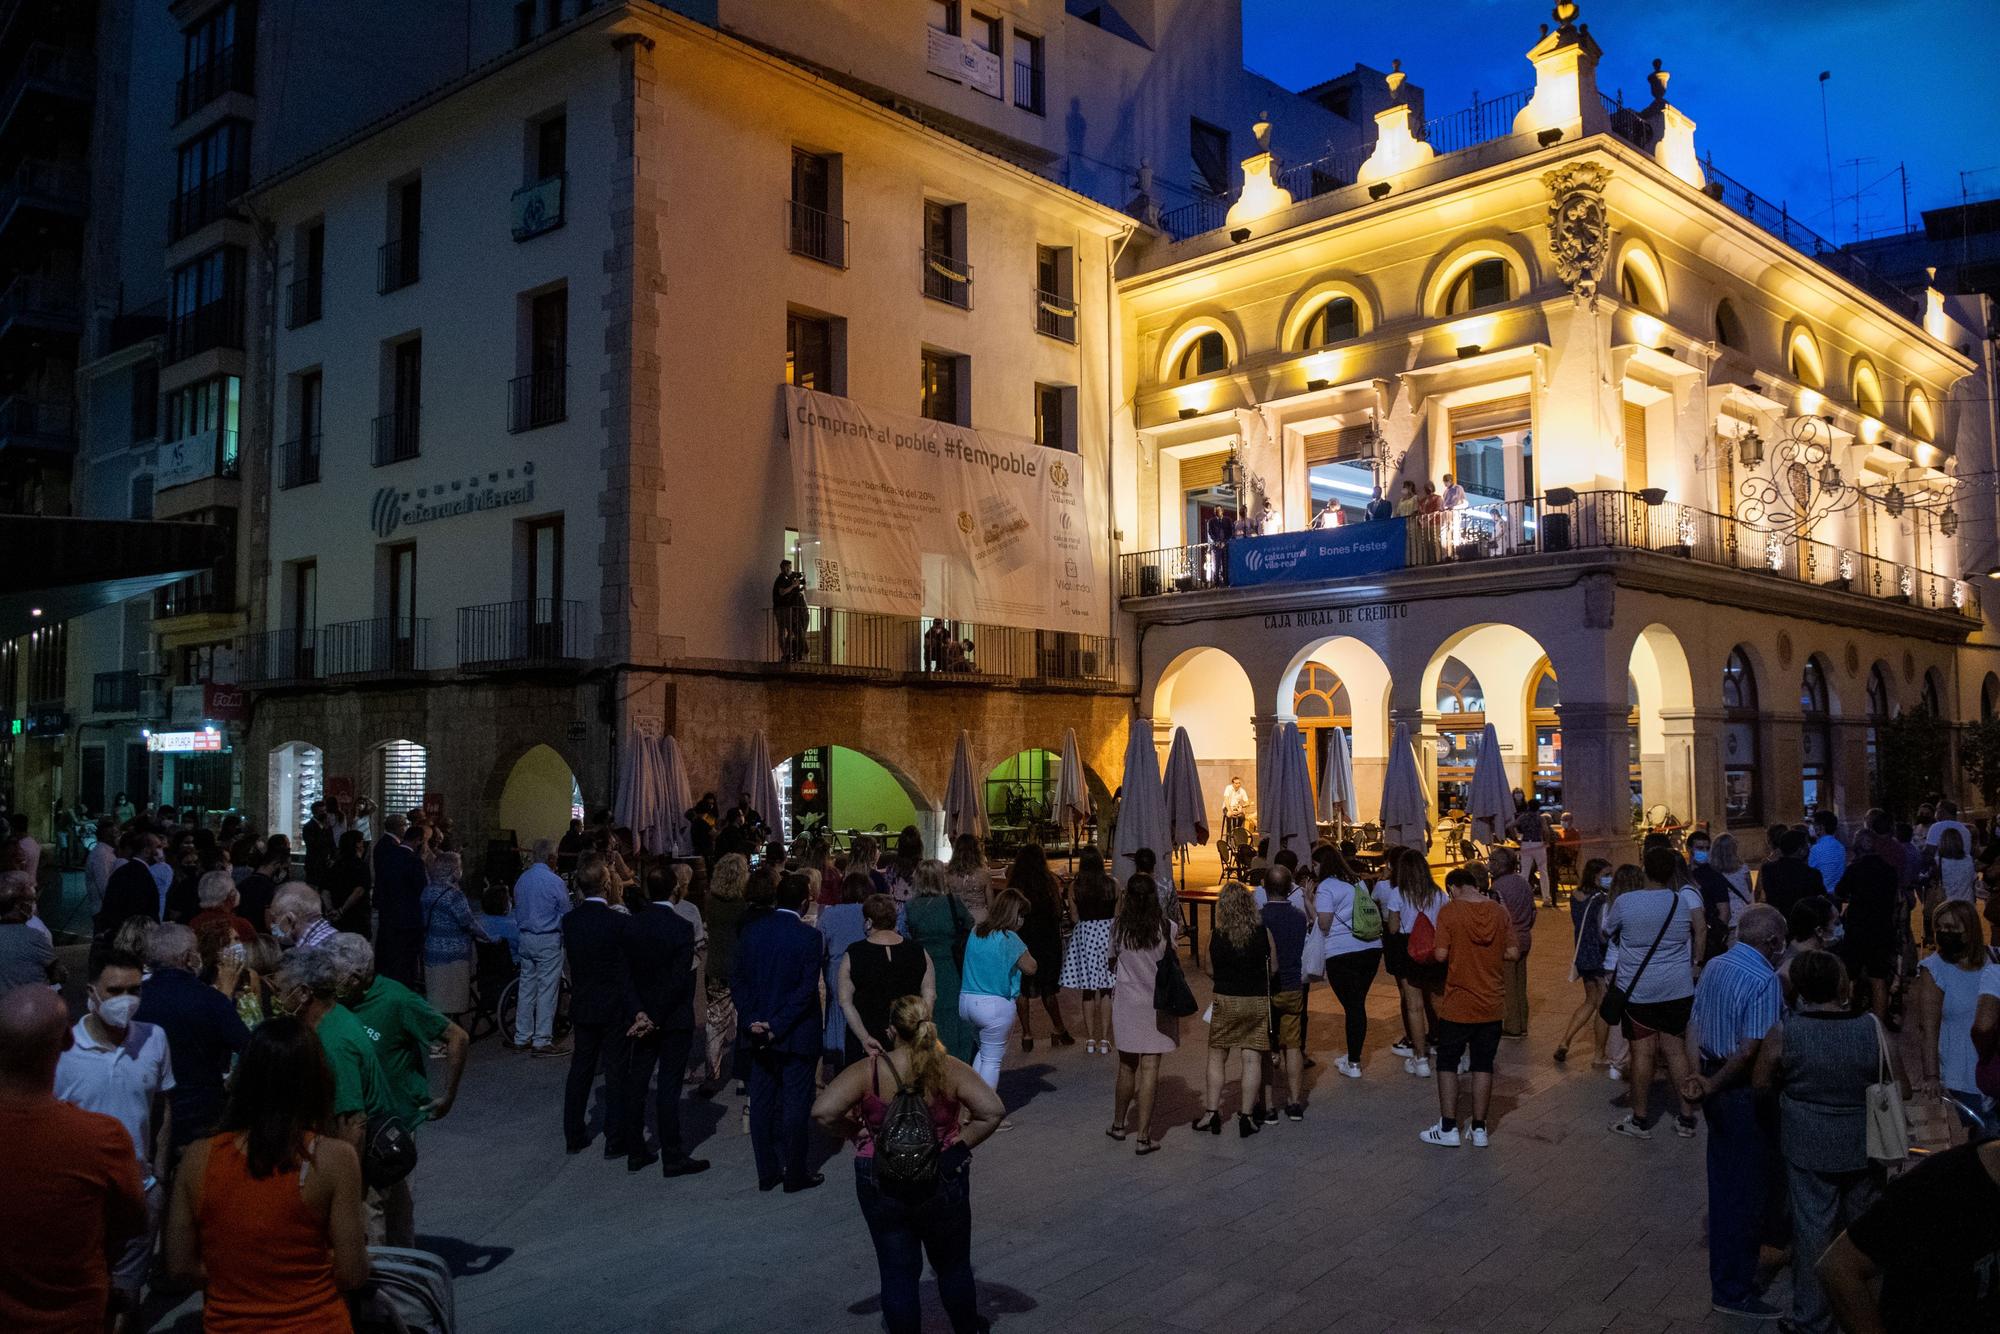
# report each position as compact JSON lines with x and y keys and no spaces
{"x":301,"y":463}
{"x":304,"y":298}
{"x":228,"y":72}
{"x":195,"y":457}
{"x":396,"y":436}
{"x":209,"y":594}
{"x":195,"y":209}
{"x":533,"y":632}
{"x":1525,"y":530}
{"x":379,"y":648}
{"x":49,"y":74}
{"x":47,"y":196}
{"x":278,"y":657}
{"x":538,"y":399}
{"x":853,"y":643}
{"x":538,"y":208}
{"x":1028,"y":87}
{"x":124,"y":692}
{"x":1055,"y":315}
{"x":45,"y":424}
{"x":947,"y":278}
{"x":816,"y":234}
{"x":217,"y":324}
{"x":397,"y":263}
{"x":39,"y":304}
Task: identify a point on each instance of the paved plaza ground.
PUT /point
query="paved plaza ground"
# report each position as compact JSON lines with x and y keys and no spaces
{"x":1342,"y":1222}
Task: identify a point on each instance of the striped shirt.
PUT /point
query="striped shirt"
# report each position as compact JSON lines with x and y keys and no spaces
{"x":1737,"y":1001}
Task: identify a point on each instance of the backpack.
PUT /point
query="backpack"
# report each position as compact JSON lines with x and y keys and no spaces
{"x":1423,"y":938}
{"x":906,"y":1146}
{"x":1364,"y":919}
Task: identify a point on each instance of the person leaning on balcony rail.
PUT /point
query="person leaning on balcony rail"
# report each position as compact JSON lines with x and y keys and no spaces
{"x":788,"y":606}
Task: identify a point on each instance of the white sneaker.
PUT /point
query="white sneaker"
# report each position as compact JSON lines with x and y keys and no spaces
{"x":1615,"y":1074}
{"x":1418,"y":1066}
{"x":1348,"y":1068}
{"x":1438,"y":1135}
{"x":1402,"y":1047}
{"x":1478,"y":1137}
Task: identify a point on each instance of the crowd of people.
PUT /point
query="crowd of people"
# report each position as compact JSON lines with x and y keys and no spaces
{"x":260,"y":1032}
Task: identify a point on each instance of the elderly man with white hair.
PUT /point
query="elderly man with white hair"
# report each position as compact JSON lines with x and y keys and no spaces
{"x":203,"y":1031}
{"x":27,"y":958}
{"x":540,"y":902}
{"x":296,"y":917}
{"x":219,"y":899}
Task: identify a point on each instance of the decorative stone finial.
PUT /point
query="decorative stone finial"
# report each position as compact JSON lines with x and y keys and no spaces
{"x":1565,"y":13}
{"x":1657,"y":81}
{"x":1397,"y":147}
{"x":1395,"y":79}
{"x":1262,"y":130}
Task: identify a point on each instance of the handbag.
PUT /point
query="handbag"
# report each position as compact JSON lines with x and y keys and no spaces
{"x":1312,"y":959}
{"x":388,"y":1152}
{"x":1171,"y":993}
{"x":1888,"y":1123}
{"x":1616,"y":998}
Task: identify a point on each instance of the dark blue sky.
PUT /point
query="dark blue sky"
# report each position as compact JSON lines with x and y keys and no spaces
{"x":1917,"y":83}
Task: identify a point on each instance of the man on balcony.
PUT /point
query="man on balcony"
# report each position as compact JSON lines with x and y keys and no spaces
{"x":1217,"y":533}
{"x":788,"y":605}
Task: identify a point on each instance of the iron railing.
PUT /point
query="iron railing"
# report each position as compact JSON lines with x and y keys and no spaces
{"x":1028,"y":86}
{"x":277,"y":656}
{"x":217,"y":324}
{"x":1479,"y":123}
{"x":224,"y":73}
{"x":832,"y":639}
{"x":194,"y":209}
{"x":383,"y":646}
{"x":44,"y":423}
{"x":65,"y":70}
{"x":1596,"y":520}
{"x":54,"y":185}
{"x":947,"y":277}
{"x":43,"y":301}
{"x":398,"y":262}
{"x":1775,"y":217}
{"x":301,"y":462}
{"x":1628,"y":124}
{"x":122,"y":692}
{"x":212,"y":591}
{"x":816,"y":234}
{"x":539,"y":398}
{"x":304,"y":300}
{"x":397,"y":436}
{"x":1055,"y":315}
{"x":531,"y":632}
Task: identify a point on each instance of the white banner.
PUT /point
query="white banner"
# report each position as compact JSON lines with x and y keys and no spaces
{"x":912,"y":517}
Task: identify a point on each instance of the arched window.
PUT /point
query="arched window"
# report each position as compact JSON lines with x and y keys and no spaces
{"x":1729,"y":329}
{"x":296,"y":778}
{"x":1922,"y":424}
{"x":1335,"y":322}
{"x":1320,"y":702}
{"x":402,"y":769}
{"x":1206,"y":355}
{"x":1867,"y":389}
{"x":1488,"y":282}
{"x":1815,"y":736}
{"x":1802,"y":359}
{"x":1544,"y":720}
{"x":1932,"y":699}
{"x":1740,"y":778}
{"x":1989,"y":698}
{"x":1462,"y":701}
{"x":1637,"y":286}
{"x":1879,"y":710}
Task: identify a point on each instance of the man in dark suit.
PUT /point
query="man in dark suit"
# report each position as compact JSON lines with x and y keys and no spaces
{"x":399,"y":900}
{"x":603,"y":1010}
{"x":131,"y":891}
{"x":1784,"y":882}
{"x":776,"y":989}
{"x":659,"y":947}
{"x":318,"y":834}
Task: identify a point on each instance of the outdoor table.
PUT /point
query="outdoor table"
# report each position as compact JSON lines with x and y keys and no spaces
{"x":1196,"y":899}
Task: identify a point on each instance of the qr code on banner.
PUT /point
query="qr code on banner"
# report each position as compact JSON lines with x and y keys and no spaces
{"x":829,"y":575}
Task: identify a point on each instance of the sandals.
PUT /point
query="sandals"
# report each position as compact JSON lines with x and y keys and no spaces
{"x":1146,"y":1146}
{"x":1209,"y":1121}
{"x":1117,"y":1133}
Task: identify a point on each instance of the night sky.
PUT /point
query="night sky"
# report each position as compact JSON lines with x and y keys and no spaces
{"x":1912,"y":83}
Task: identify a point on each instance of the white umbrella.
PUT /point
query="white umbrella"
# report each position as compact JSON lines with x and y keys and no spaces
{"x":1187,"y":814}
{"x":1072,"y":809}
{"x":1336,"y":781}
{"x":675,"y":837}
{"x":1285,"y":808}
{"x":762,"y":785}
{"x":1142,"y":814}
{"x":1490,"y":803}
{"x":637,"y":807}
{"x":1406,"y":817}
{"x":964,"y":812}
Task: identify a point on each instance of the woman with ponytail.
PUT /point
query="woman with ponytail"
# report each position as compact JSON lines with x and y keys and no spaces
{"x":938,"y":1221}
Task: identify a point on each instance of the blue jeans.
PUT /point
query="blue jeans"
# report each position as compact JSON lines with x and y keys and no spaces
{"x":905,"y":1232}
{"x":1740,"y":1162}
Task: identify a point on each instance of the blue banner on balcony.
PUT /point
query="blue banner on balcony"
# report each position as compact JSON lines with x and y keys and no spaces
{"x":1318,"y":553}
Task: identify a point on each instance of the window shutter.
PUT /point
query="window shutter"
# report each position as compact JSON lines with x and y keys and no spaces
{"x":1347,"y":442}
{"x":1476,"y":420}
{"x":1635,"y":447}
{"x":1203,"y":473}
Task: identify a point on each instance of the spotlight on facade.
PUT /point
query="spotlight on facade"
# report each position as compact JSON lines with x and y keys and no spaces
{"x":1190,"y":412}
{"x":1750,"y":446}
{"x":1239,"y":234}
{"x":1319,"y":384}
{"x":1948,"y":521}
{"x":1377,"y":190}
{"x":1469,"y":350}
{"x":1549,"y":136}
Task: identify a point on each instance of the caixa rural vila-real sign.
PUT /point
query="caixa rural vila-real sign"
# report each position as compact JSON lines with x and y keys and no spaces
{"x":1318,"y":553}
{"x":394,"y":507}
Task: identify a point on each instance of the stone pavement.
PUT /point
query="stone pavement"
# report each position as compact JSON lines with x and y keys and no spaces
{"x":1342,"y":1222}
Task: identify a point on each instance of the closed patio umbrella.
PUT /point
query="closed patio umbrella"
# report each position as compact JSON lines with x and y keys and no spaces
{"x":964,"y":811}
{"x":1490,"y":803}
{"x":1406,"y":818}
{"x":762,"y":785}
{"x":1072,"y":809}
{"x":638,"y":805}
{"x":1142,"y":814}
{"x":1336,"y":781}
{"x":1180,"y":791}
{"x":675,"y":837}
{"x":1285,"y":809}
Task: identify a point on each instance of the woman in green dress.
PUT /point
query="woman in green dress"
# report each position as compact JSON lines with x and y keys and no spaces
{"x":938,"y":921}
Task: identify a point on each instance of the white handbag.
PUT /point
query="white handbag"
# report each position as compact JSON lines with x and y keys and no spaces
{"x":1312,"y":959}
{"x":1888,"y":1123}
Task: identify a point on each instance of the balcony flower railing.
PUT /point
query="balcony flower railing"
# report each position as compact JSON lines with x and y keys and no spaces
{"x":1597,"y":520}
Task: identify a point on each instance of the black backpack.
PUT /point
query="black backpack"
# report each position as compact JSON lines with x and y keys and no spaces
{"x":906,"y":1145}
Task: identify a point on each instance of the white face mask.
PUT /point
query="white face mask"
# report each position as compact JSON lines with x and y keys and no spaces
{"x":1604,"y":882}
{"x":116,"y":1011}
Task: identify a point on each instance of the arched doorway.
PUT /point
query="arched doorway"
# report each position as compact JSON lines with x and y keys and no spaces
{"x":1207,"y":691}
{"x":1881,"y":707}
{"x":399,"y":772}
{"x":845,"y":792}
{"x":1488,"y":674}
{"x":297,"y":779}
{"x":1742,"y":776}
{"x":1815,"y":736}
{"x":1989,"y":698}
{"x":540,"y":797}
{"x":1659,"y":682}
{"x":1461,"y":709}
{"x":1341,"y":685}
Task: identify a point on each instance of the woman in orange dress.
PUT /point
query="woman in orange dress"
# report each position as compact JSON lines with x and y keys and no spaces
{"x":267,"y":1213}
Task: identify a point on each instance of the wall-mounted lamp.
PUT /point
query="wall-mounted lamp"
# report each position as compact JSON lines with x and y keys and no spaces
{"x":1947,"y":521}
{"x":1750,"y":446}
{"x":1548,"y":136}
{"x":1377,"y":190}
{"x":1190,"y":412}
{"x":1319,"y":384}
{"x":1468,"y":350}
